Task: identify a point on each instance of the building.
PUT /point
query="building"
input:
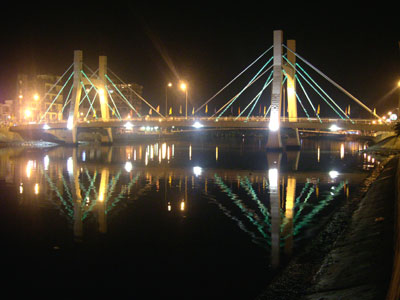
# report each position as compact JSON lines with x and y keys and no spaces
{"x":6,"y":112}
{"x":35,"y":97}
{"x":129,"y":92}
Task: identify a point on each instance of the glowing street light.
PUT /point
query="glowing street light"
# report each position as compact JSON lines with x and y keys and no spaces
{"x":183,"y":87}
{"x":169,"y":85}
{"x":197,"y":125}
{"x":28,"y":113}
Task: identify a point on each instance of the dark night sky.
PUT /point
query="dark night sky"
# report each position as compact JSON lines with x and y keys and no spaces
{"x":206,"y":43}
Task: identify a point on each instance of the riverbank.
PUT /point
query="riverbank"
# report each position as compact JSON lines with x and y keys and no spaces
{"x":352,"y":257}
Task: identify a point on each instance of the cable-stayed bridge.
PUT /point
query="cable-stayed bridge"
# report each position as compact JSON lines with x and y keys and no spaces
{"x":282,"y":86}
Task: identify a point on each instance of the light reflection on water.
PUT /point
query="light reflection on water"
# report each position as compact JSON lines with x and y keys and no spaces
{"x":273,"y":201}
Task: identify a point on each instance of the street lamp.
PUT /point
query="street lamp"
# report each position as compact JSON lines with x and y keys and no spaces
{"x":166,"y":98}
{"x":398,"y":106}
{"x":183,"y":87}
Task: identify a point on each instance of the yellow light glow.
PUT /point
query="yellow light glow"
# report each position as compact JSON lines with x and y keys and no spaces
{"x":28,"y":113}
{"x":274,"y":121}
{"x":36,"y":96}
{"x":29,"y":168}
{"x":341,"y":151}
{"x":169,"y":84}
{"x":182,"y":205}
{"x":183,"y":86}
{"x":36,"y":188}
{"x":273,"y":180}
{"x":290,"y":197}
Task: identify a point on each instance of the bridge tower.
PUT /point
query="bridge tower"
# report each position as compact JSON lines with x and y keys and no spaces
{"x":101,"y":86}
{"x":103,"y":94}
{"x":274,"y":135}
{"x":290,"y":70}
{"x":73,"y":115}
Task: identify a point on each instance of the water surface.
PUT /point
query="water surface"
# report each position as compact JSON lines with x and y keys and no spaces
{"x":190,"y":218}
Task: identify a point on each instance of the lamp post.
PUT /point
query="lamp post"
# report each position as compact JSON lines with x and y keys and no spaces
{"x":166,"y":98}
{"x":183,"y":87}
{"x":398,"y":85}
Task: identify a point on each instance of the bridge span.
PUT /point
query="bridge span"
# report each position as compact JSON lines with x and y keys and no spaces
{"x":60,"y":131}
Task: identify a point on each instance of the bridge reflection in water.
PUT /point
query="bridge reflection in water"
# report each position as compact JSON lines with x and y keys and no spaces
{"x":276,"y":207}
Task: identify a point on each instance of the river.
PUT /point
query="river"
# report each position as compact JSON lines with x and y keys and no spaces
{"x":195,"y":218}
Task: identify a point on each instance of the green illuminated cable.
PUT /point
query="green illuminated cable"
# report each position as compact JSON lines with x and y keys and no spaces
{"x":298,"y":99}
{"x":312,"y":86}
{"x":324,"y":92}
{"x":94,"y":112}
{"x":308,"y":98}
{"x":122,"y":193}
{"x":54,"y":188}
{"x":250,"y":83}
{"x":87,"y":96}
{"x":67,"y":100}
{"x":323,"y":98}
{"x":122,"y":95}
{"x":116,"y":108}
{"x":268,"y":82}
{"x":56,"y":97}
{"x":256,"y":98}
{"x":236,"y":77}
{"x":236,"y":200}
{"x":307,"y":219}
{"x":249,"y":189}
{"x":241,"y":225}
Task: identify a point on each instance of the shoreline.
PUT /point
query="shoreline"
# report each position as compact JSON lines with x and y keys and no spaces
{"x":302,"y":277}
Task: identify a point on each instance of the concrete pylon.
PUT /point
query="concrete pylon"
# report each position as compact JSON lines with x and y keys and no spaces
{"x":274,"y":135}
{"x":74,"y":172}
{"x":293,"y":140}
{"x":73,"y":114}
{"x":103,"y":94}
{"x":101,"y":201}
{"x":274,"y":163}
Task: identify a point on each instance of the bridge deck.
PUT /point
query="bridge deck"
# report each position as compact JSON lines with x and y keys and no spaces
{"x":223,"y":122}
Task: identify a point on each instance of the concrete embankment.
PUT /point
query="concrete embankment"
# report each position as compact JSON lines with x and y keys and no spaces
{"x":360,"y":264}
{"x":6,"y":136}
{"x":355,"y":256}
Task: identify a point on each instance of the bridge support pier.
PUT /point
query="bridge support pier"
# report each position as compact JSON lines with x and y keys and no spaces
{"x":105,"y":113}
{"x":274,"y":162}
{"x":290,"y":70}
{"x":274,"y":142}
{"x":73,"y":114}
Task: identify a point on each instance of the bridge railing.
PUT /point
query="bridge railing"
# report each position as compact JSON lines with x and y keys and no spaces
{"x":184,"y":119}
